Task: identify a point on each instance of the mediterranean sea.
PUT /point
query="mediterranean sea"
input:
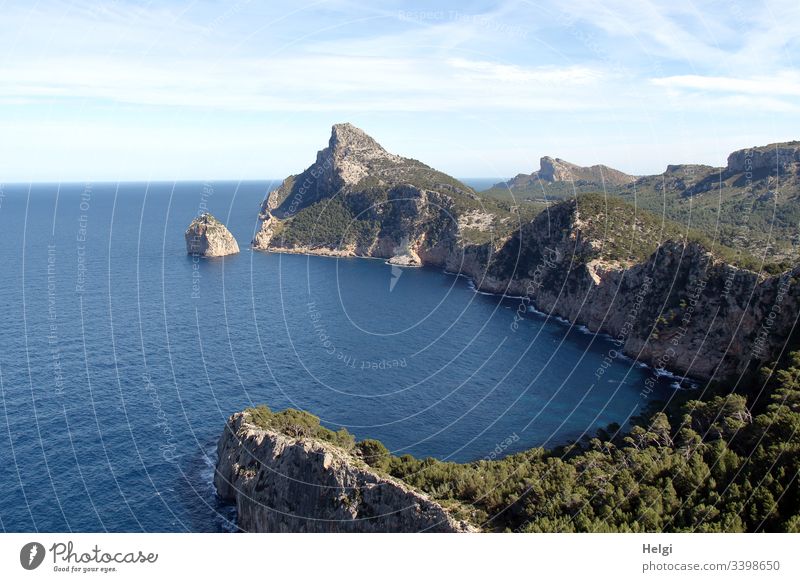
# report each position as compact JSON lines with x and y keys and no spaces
{"x":121,"y":357}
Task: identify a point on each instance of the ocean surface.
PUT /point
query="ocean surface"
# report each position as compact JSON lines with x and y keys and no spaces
{"x":121,"y":357}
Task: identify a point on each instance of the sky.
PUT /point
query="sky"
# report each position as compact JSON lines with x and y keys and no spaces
{"x":243,"y":89}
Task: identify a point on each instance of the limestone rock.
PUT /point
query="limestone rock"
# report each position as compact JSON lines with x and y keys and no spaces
{"x":410,"y":214}
{"x":263,"y":236}
{"x":682,"y":308}
{"x":558,"y":170}
{"x":776,"y":158}
{"x":375,"y":199}
{"x":282,"y":483}
{"x":208,"y":237}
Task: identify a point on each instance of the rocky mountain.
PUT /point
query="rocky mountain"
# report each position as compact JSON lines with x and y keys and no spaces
{"x":752,"y":204}
{"x":208,"y":237}
{"x":673,"y":296}
{"x":357,"y":199}
{"x":284,"y":477}
{"x":552,"y":171}
{"x":674,"y":304}
{"x":775,"y":159}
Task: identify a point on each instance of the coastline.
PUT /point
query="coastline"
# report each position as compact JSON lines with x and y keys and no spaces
{"x":678,"y":378}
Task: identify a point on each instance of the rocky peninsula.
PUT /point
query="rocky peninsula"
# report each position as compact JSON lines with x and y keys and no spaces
{"x":669,"y":296}
{"x":285,"y":473}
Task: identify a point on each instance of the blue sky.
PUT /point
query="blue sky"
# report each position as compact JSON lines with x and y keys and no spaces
{"x":248,"y":89}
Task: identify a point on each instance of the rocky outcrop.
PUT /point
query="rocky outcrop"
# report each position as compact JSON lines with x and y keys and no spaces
{"x":359,"y":199}
{"x":282,"y":483}
{"x":557,"y":170}
{"x":352,"y":161}
{"x":775,"y":158}
{"x":682,"y":309}
{"x":208,"y":237}
{"x":671,"y":303}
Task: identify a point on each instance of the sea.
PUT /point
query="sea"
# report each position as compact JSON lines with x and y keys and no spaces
{"x":121,"y":357}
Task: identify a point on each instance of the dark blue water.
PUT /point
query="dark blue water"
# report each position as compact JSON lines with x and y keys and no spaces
{"x":121,"y":357}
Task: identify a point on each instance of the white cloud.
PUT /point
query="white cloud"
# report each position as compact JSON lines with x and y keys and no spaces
{"x":720,"y":36}
{"x":785,"y":83}
{"x":300,"y":83}
{"x":140,"y":85}
{"x":774,"y":93}
{"x":486,"y":71}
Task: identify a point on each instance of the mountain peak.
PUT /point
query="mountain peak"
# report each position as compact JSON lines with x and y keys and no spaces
{"x":351,"y":153}
{"x":346,"y":136}
{"x":776,"y":158}
{"x":352,"y":162}
{"x":555,"y":170}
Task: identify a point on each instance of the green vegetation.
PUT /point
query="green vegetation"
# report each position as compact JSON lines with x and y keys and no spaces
{"x":752,"y":218}
{"x":705,"y":465}
{"x":757,"y":215}
{"x":329,"y":224}
{"x":299,"y":424}
{"x":370,"y":209}
{"x":547,"y":192}
{"x":609,"y":229}
{"x":628,"y":233}
{"x":728,"y":462}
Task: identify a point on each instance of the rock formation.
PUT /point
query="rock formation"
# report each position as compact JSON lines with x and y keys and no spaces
{"x":557,"y":170}
{"x":283,"y":483}
{"x":697,"y":314}
{"x":681,"y":309}
{"x":751,"y":204}
{"x":777,"y":157}
{"x":374,"y":202}
{"x":208,"y":237}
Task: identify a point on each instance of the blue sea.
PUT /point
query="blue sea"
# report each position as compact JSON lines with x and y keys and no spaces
{"x":121,"y":357}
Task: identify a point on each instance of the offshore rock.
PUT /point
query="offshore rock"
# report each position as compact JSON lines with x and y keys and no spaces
{"x":208,"y":237}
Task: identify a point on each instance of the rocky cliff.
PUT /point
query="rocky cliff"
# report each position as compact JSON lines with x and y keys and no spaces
{"x":357,"y":199}
{"x":208,"y":237}
{"x":553,"y":170}
{"x":777,"y":157}
{"x":751,"y":204}
{"x":285,"y":481}
{"x":671,"y":298}
{"x":680,"y":308}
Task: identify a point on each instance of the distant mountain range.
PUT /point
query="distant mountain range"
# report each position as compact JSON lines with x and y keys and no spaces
{"x":752,"y":204}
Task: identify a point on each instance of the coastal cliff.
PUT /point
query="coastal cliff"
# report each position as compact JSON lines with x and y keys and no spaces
{"x":670,"y":297}
{"x":675,"y":305}
{"x":208,"y":237}
{"x":285,"y":477}
{"x":357,"y":199}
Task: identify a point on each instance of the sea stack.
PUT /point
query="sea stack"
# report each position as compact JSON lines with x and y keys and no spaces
{"x":208,"y":237}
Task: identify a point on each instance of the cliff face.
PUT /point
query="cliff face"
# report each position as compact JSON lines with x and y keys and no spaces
{"x":358,"y":199}
{"x":779,"y":157}
{"x":208,"y":237}
{"x":557,"y":170}
{"x":287,"y":484}
{"x":680,"y":308}
{"x":596,"y":261}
